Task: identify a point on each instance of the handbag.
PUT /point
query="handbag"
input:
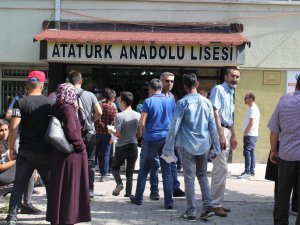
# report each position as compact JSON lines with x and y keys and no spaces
{"x":56,"y":137}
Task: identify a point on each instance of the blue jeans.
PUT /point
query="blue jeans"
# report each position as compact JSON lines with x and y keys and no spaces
{"x":249,"y":153}
{"x":154,"y":176}
{"x":195,"y":165}
{"x":149,"y":151}
{"x":103,"y":147}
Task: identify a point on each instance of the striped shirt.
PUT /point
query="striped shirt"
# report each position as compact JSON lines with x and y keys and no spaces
{"x":285,"y":122}
{"x":222,"y":99}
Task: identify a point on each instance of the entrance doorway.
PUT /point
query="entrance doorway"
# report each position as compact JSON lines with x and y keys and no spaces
{"x":135,"y":78}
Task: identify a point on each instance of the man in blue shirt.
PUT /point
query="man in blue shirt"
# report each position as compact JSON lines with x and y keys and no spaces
{"x":154,"y":123}
{"x":193,"y":129}
{"x":167,"y":80}
{"x":222,"y":99}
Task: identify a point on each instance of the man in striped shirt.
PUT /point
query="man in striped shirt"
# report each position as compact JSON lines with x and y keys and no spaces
{"x":285,"y":124}
{"x":222,"y":99}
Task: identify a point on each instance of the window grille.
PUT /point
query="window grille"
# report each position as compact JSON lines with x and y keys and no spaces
{"x":13,"y":84}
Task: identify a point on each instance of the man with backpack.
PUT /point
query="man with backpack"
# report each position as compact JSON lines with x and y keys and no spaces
{"x":89,"y":111}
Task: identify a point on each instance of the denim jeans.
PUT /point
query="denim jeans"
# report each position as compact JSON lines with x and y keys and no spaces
{"x":249,"y":153}
{"x":195,"y":165}
{"x":103,"y":147}
{"x":26,"y":163}
{"x":129,"y":153}
{"x":154,"y":176}
{"x":149,"y":151}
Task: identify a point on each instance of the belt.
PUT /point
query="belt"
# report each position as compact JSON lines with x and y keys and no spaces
{"x":226,"y":126}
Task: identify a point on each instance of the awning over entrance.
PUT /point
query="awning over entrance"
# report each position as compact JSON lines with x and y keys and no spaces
{"x":156,"y":38}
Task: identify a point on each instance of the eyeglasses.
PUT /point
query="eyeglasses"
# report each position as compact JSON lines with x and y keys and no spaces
{"x":169,"y":81}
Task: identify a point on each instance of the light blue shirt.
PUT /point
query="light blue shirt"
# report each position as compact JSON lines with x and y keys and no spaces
{"x":222,"y":99}
{"x":193,"y":126}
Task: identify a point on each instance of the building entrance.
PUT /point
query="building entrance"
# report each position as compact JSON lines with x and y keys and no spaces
{"x":135,"y":78}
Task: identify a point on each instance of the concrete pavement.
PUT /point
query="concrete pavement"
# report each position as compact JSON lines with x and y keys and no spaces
{"x":251,"y":202}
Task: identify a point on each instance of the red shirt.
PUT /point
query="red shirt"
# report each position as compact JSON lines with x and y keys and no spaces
{"x":109,"y":112}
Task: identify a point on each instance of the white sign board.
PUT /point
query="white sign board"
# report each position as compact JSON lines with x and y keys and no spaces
{"x":133,"y":54}
{"x":291,"y":80}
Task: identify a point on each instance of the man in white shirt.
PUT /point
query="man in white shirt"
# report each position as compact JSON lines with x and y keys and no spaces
{"x":250,"y":131}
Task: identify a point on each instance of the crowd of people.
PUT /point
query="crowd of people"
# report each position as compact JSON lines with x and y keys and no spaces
{"x":171,"y":134}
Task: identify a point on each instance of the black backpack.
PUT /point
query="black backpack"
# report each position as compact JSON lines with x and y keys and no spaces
{"x":85,"y":119}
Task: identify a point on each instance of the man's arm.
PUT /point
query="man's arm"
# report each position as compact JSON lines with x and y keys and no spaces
{"x":273,"y":152}
{"x":142,"y":123}
{"x":97,"y":112}
{"x":219,"y":128}
{"x":249,"y":126}
{"x":115,"y":133}
{"x":13,"y":134}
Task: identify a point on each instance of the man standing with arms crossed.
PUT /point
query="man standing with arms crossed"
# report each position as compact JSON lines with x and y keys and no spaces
{"x":250,"y":131}
{"x":222,"y":99}
{"x":93,"y":109}
{"x":31,"y":113}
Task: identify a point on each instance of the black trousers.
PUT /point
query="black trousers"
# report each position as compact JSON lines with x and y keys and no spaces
{"x":90,"y":143}
{"x":288,"y":171}
{"x":26,"y":163}
{"x":129,"y":153}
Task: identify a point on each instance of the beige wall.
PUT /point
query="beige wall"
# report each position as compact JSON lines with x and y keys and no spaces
{"x":267,"y":97}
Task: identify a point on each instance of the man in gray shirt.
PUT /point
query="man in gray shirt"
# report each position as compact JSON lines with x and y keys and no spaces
{"x":93,"y":110}
{"x":285,"y":124}
{"x":126,"y":124}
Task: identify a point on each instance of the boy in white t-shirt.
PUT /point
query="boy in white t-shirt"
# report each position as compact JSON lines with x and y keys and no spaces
{"x":250,"y":133}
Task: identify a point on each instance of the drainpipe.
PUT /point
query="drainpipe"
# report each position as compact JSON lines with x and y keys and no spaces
{"x":57,"y":14}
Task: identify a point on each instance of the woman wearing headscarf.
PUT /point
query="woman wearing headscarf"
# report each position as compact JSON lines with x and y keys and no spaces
{"x":68,"y":200}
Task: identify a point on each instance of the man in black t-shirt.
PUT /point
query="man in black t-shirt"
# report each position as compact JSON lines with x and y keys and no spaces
{"x":31,"y":113}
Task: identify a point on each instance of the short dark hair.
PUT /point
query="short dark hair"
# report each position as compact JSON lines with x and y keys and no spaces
{"x":110,"y":94}
{"x":189,"y":80}
{"x":75,"y":77}
{"x":250,"y":95}
{"x":229,"y":69}
{"x":3,"y":122}
{"x":155,"y":84}
{"x":30,"y":85}
{"x":127,"y":97}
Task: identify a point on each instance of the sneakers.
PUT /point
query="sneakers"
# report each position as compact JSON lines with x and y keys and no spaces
{"x":168,"y":207}
{"x":127,"y":195}
{"x":118,"y":189}
{"x":219,"y":212}
{"x":207,"y":213}
{"x":245,"y":176}
{"x":11,"y":222}
{"x":134,"y":201}
{"x":104,"y":178}
{"x":188,"y":218}
{"x":154,"y":196}
{"x":178,"y":193}
{"x":29,"y":209}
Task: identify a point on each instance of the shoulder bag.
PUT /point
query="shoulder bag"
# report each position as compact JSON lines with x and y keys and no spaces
{"x":56,"y":137}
